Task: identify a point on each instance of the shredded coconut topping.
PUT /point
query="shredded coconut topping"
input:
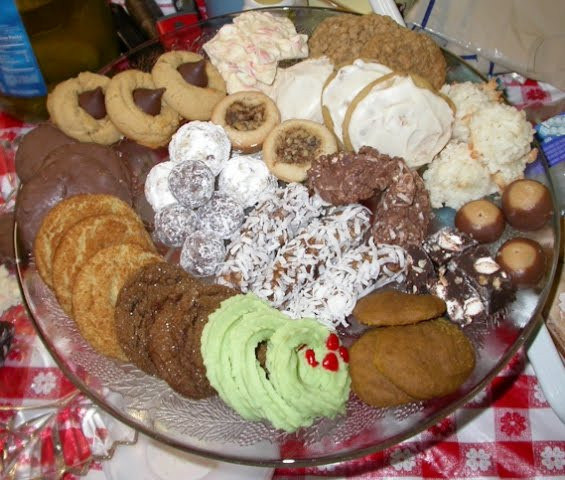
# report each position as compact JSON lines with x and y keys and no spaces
{"x":333,"y":295}
{"x":274,"y":221}
{"x":303,"y":258}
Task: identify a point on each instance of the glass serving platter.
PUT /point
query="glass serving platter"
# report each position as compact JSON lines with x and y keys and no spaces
{"x":210,"y":428}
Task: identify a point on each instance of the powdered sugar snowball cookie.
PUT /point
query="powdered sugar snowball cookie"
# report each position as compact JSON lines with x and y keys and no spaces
{"x":401,"y":116}
{"x":454,"y":177}
{"x":246,"y":178}
{"x":202,"y":253}
{"x":501,"y":136}
{"x":191,"y":183}
{"x":173,"y":223}
{"x":469,"y":97}
{"x":222,"y":215}
{"x":202,"y":141}
{"x":157,"y":191}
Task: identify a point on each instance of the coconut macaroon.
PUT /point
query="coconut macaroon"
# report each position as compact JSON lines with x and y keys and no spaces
{"x":468,"y":98}
{"x":501,"y":136}
{"x":400,"y":116}
{"x":455,"y":177}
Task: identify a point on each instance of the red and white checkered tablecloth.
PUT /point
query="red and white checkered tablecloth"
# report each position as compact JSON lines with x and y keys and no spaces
{"x":47,"y":426}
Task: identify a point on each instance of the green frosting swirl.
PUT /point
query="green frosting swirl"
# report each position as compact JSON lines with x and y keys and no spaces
{"x":290,"y":393}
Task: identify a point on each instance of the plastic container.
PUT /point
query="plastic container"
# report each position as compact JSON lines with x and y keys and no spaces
{"x":43,"y":42}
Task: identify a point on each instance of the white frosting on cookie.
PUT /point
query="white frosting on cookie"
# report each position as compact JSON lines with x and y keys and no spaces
{"x":202,"y":141}
{"x":347,"y":83}
{"x":399,"y":118}
{"x":246,"y":178}
{"x":157,"y":191}
{"x":297,"y":89}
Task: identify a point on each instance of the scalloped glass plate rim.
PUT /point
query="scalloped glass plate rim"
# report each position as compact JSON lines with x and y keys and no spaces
{"x":526,"y":331}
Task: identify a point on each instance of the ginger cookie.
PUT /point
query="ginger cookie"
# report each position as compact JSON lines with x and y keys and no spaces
{"x":83,"y":240}
{"x":77,"y":107}
{"x":193,"y":86}
{"x":138,"y":110}
{"x":141,"y":298}
{"x":426,"y":360}
{"x":392,"y":307}
{"x":63,"y":216}
{"x":174,"y":340}
{"x":96,"y":290}
{"x":371,"y":386}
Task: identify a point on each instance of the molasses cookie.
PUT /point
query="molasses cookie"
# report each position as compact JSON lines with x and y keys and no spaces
{"x":174,"y":339}
{"x":367,"y":382}
{"x":77,"y":107}
{"x":138,"y":110}
{"x":391,"y":307}
{"x":426,"y":360}
{"x":96,"y":290}
{"x":141,"y":298}
{"x":193,"y":86}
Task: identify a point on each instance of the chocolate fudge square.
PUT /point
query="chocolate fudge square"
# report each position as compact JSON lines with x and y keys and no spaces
{"x":486,"y":276}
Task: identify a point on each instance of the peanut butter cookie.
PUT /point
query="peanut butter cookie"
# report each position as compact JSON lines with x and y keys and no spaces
{"x":77,"y":107}
{"x":138,"y":110}
{"x":192,"y":85}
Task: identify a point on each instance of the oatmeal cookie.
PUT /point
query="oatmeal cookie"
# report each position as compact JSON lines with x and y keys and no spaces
{"x":77,"y":107}
{"x":407,"y":51}
{"x":342,"y":38}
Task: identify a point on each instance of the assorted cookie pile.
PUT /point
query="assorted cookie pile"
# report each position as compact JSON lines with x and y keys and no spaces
{"x":85,"y":249}
{"x":292,"y":197}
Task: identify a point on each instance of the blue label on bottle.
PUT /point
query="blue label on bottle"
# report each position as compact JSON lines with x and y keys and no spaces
{"x":19,"y":71}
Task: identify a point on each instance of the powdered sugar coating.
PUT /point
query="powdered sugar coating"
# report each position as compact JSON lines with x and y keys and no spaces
{"x":191,"y":183}
{"x":173,"y":223}
{"x":331,"y":297}
{"x":202,"y":141}
{"x":222,"y":215}
{"x":245,"y":178}
{"x":157,"y":191}
{"x":202,"y":253}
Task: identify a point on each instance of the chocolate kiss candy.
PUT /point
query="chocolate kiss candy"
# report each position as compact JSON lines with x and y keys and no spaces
{"x":92,"y":101}
{"x":194,"y":73}
{"x":148,"y":99}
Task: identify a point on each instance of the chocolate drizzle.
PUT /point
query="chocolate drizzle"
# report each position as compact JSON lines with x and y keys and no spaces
{"x":148,"y":99}
{"x":92,"y":102}
{"x":194,"y":73}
